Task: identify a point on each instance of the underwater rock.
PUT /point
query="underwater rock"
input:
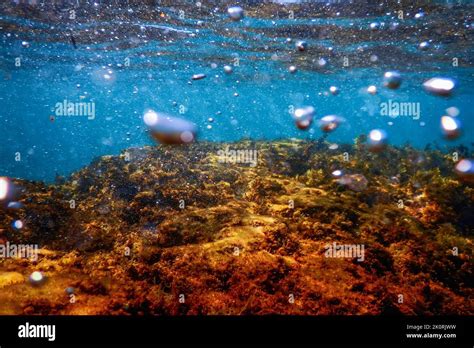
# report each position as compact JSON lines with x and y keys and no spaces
{"x":188,"y":216}
{"x":10,"y":278}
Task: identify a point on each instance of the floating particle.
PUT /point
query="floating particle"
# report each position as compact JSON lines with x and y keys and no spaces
{"x":322,"y":62}
{"x":301,"y":45}
{"x":288,"y":39}
{"x":292,"y":69}
{"x":451,"y":127}
{"x":303,"y":117}
{"x":198,"y":76}
{"x":337,"y":173}
{"x":377,"y":140}
{"x":25,"y":44}
{"x":169,"y":130}
{"x":210,"y":120}
{"x":333,"y":146}
{"x":209,"y":126}
{"x":424,"y":45}
{"x":236,"y":94}
{"x":419,"y":15}
{"x":395,"y":180}
{"x":422,"y":124}
{"x":104,"y":76}
{"x":15,"y":205}
{"x":228,"y":69}
{"x":236,"y":13}
{"x":372,"y":90}
{"x":453,"y":111}
{"x":17,"y":224}
{"x":334,"y":90}
{"x":373,"y":58}
{"x":355,"y":182}
{"x":213,"y":65}
{"x":440,"y":86}
{"x":374,"y":25}
{"x":330,"y":122}
{"x":465,"y":169}
{"x":392,"y":79}
{"x":394,"y":25}
{"x":37,"y":278}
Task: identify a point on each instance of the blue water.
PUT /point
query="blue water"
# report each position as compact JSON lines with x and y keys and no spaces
{"x":52,"y":71}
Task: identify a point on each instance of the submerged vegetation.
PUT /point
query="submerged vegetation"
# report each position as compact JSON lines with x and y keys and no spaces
{"x":177,"y":230}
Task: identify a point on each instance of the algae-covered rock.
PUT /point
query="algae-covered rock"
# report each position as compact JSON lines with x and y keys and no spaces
{"x":177,"y":230}
{"x":9,"y":278}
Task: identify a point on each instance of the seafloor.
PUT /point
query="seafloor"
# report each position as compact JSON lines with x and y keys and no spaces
{"x":228,"y":238}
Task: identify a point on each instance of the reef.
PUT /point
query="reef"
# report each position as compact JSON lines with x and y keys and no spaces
{"x":198,"y":229}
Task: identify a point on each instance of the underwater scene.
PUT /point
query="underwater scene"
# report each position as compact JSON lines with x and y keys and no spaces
{"x":162,"y":157}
